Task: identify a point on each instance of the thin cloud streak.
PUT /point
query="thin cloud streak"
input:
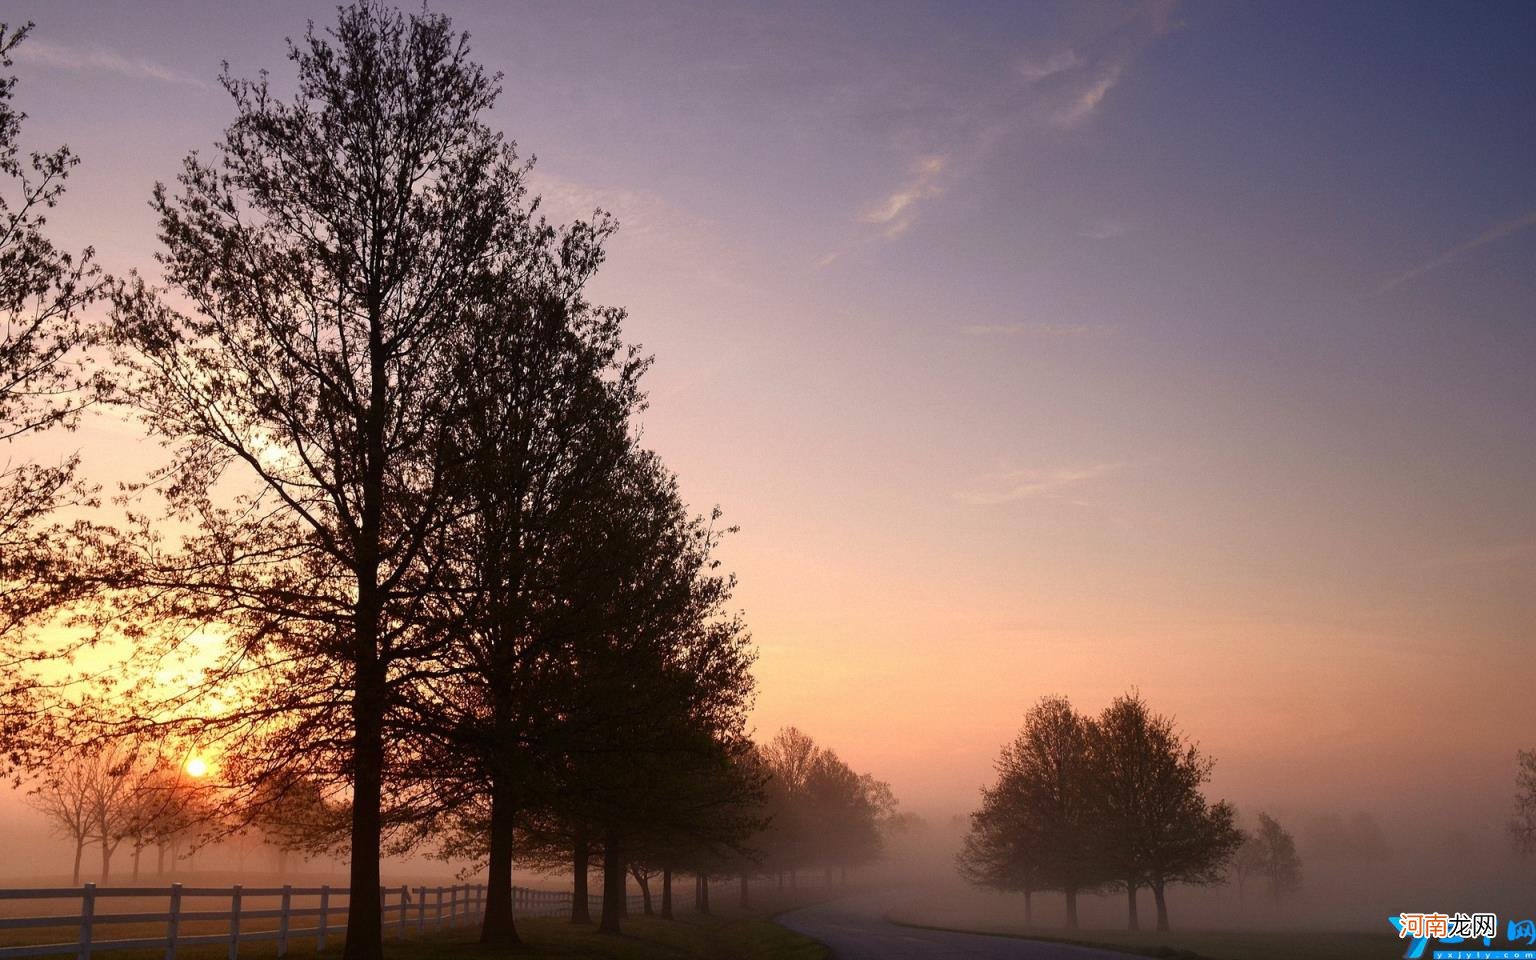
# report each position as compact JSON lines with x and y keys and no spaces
{"x":1011,"y":486}
{"x":45,"y":53}
{"x":894,"y":213}
{"x":1498,"y":232}
{"x":1062,"y":87}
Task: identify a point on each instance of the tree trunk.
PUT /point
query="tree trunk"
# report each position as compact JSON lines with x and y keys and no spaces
{"x":581,"y":853}
{"x":106,"y":861}
{"x":703,"y":904}
{"x":499,"y":927}
{"x":746,"y":898}
{"x":1162,"y":904}
{"x":365,"y":935}
{"x":79,"y":852}
{"x":159,"y":859}
{"x":666,"y":893}
{"x":644,"y":883}
{"x":613,"y":885}
{"x":1071,"y":908}
{"x":1029,"y":908}
{"x":138,"y":851}
{"x":1132,"y":921}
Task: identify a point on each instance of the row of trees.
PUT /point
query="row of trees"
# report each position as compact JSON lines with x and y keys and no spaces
{"x":820,"y":812}
{"x":112,"y":796}
{"x":1113,"y":802}
{"x":405,"y":558}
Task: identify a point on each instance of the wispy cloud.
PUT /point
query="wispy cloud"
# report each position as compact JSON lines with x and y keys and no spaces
{"x":1011,"y":486}
{"x":1033,"y":69}
{"x":1062,"y":84}
{"x":894,"y":213}
{"x":563,"y":199}
{"x":46,"y":53}
{"x":1050,"y":331}
{"x":1085,"y":98}
{"x":1497,"y":232}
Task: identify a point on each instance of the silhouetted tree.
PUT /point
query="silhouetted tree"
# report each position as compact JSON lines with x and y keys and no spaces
{"x":1154,"y":826}
{"x":1048,"y":765}
{"x":65,"y":797}
{"x":1002,"y":849}
{"x":331,"y":259}
{"x":43,"y":291}
{"x":1281,"y":864}
{"x":545,"y":430}
{"x":819,"y":812}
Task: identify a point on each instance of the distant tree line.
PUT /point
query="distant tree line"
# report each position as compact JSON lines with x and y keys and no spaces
{"x":406,"y":566}
{"x":1090,"y":805}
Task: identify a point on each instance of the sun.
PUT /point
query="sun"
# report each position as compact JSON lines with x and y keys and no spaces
{"x":197,"y":767}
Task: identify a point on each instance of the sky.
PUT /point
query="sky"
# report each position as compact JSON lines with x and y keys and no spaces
{"x":1035,"y":348}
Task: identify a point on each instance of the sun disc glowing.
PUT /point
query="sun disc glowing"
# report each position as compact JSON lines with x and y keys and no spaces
{"x":197,"y":767}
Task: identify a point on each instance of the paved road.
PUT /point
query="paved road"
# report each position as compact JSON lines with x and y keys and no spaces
{"x":856,"y":929}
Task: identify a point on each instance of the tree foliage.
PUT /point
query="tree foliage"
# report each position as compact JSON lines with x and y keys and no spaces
{"x":1086,"y":804}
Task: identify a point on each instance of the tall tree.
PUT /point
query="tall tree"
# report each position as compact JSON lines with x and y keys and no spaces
{"x":330,"y":260}
{"x":544,"y":431}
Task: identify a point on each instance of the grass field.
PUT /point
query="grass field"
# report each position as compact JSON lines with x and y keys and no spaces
{"x":727,"y":934}
{"x":1203,"y":944}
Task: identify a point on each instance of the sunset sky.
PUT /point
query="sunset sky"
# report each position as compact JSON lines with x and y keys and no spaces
{"x":1035,"y":350}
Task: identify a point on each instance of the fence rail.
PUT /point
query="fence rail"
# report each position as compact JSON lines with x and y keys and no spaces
{"x":405,"y":909}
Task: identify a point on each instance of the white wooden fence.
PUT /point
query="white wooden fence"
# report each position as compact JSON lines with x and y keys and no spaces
{"x":405,"y":910}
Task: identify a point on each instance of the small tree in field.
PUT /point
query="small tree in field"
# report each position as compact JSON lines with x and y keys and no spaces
{"x":1282,"y":865}
{"x":1002,"y":850}
{"x":65,"y":798}
{"x":1155,"y":827}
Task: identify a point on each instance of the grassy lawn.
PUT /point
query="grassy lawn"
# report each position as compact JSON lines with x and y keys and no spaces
{"x":1214,"y":944}
{"x":727,"y":934}
{"x":724,"y":936}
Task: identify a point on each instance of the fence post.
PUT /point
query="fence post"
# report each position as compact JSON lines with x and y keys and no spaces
{"x":405,"y":899}
{"x":439,"y":908}
{"x":282,"y":922}
{"x":234,"y":923}
{"x":325,"y":913}
{"x":421,"y":910}
{"x":87,"y":919}
{"x":173,"y":922}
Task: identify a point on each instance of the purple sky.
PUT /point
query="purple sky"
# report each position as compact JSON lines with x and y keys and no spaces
{"x":1054,"y":349}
